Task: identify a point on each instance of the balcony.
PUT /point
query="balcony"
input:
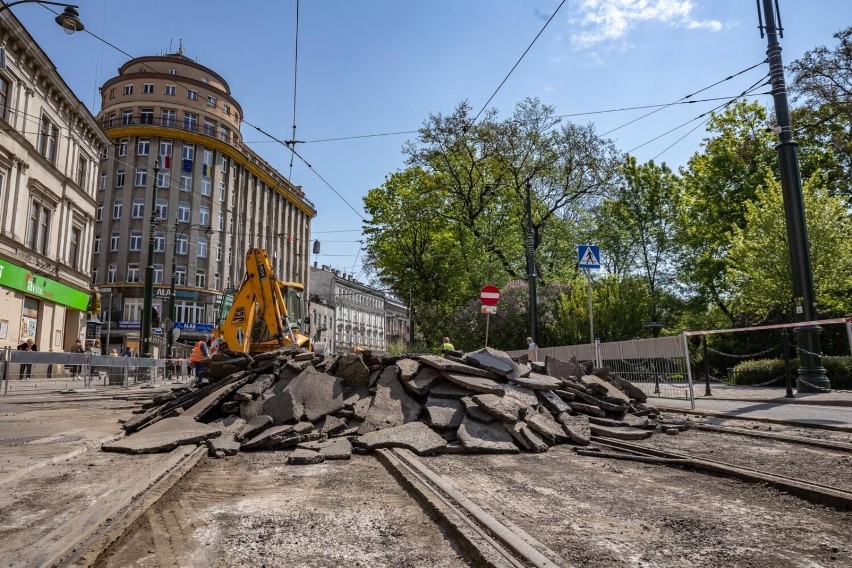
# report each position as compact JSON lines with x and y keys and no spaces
{"x":168,"y":122}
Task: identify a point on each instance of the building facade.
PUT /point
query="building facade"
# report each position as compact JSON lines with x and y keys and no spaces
{"x":50,"y":146}
{"x":176,"y":144}
{"x":397,"y":329}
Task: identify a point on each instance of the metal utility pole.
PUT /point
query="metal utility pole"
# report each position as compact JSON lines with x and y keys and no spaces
{"x":811,"y":372}
{"x":531,"y":263}
{"x":148,"y":300}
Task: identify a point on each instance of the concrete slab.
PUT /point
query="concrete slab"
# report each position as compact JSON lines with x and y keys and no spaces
{"x":423,"y":380}
{"x":474,"y":411}
{"x":493,"y":360}
{"x":486,"y":438}
{"x":537,"y":381}
{"x":352,"y":369}
{"x":620,"y":433}
{"x":337,"y":449}
{"x":577,"y":428}
{"x":475,"y":384}
{"x":525,"y":437}
{"x":504,"y":408}
{"x":311,"y":395}
{"x":390,"y":406}
{"x":584,"y":408}
{"x":446,"y":389}
{"x":444,"y":413}
{"x":229,"y":425}
{"x":254,"y":389}
{"x":525,"y":395}
{"x":332,"y":424}
{"x":448,"y":365}
{"x":543,"y":424}
{"x":304,"y":457}
{"x":268,"y":436}
{"x":251,"y":409}
{"x":610,"y":389}
{"x":407,"y":368}
{"x":220,"y":447}
{"x":629,"y":388}
{"x":164,"y":436}
{"x":553,"y":402}
{"x":562,"y":369}
{"x":414,"y":436}
{"x":253,"y":427}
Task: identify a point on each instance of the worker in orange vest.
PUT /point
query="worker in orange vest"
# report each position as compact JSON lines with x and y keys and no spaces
{"x":198,"y":357}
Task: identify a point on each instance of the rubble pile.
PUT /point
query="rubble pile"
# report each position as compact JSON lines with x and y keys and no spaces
{"x":326,"y":407}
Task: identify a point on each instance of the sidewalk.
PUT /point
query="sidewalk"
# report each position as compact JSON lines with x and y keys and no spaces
{"x":775,"y":395}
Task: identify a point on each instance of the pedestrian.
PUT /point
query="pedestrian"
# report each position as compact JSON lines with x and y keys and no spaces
{"x":125,"y":352}
{"x":96,"y":347}
{"x":78,"y":348}
{"x":200,"y":354}
{"x":532,"y":350}
{"x":26,"y":368}
{"x":446,"y":346}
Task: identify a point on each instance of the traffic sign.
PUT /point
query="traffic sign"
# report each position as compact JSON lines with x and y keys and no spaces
{"x":489,"y":295}
{"x":588,"y":256}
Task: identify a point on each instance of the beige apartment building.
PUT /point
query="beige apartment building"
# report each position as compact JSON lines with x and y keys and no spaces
{"x":49,"y":151}
{"x":214,"y":198}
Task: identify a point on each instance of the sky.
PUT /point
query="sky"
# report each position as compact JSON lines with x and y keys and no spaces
{"x":369,"y":70}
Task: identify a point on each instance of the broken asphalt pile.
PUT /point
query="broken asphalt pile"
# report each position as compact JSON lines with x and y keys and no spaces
{"x":322,"y":406}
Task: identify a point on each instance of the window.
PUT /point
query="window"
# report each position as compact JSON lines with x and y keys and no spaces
{"x":204,"y":216}
{"x":116,"y":210}
{"x":135,"y":241}
{"x":185,"y":182}
{"x":39,"y":226}
{"x":223,"y":163}
{"x":82,"y":168}
{"x":182,"y":245}
{"x":4,"y":96}
{"x":205,"y":186}
{"x":137,"y":210}
{"x":133,"y":309}
{"x":127,"y":116}
{"x":180,"y":278}
{"x":204,"y":80}
{"x":202,"y":248}
{"x":173,"y":71}
{"x":192,"y":95}
{"x":94,"y":275}
{"x":48,"y":139}
{"x":217,"y":281}
{"x":122,"y":147}
{"x":133,"y":273}
{"x":207,"y":159}
{"x":220,"y":222}
{"x":111,"y":120}
{"x":112,"y":93}
{"x":146,"y":116}
{"x":119,"y":178}
{"x":161,"y":209}
{"x":143,"y":146}
{"x":190,"y":121}
{"x":226,"y":109}
{"x":102,"y":182}
{"x":105,"y":153}
{"x":218,"y":252}
{"x":209,"y":127}
{"x":165,"y":149}
{"x":224,"y":134}
{"x":97,"y":246}
{"x":112,"y":272}
{"x":128,"y":89}
{"x":183,"y":212}
{"x":160,"y":242}
{"x":211,"y":100}
{"x":222,"y":189}
{"x":188,"y":151}
{"x":141,"y":178}
{"x":114,"y":241}
{"x":164,"y":178}
{"x":200,"y":279}
{"x":158,"y":274}
{"x":147,"y":88}
{"x":168,"y":117}
{"x":99,"y":213}
{"x":171,"y":90}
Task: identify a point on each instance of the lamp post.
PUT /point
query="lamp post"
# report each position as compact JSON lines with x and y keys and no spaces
{"x":69,"y":19}
{"x":148,"y":300}
{"x":530,"y":246}
{"x":811,"y":372}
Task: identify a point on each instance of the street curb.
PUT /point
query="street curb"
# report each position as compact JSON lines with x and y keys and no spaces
{"x":846,"y":403}
{"x":793,"y":423}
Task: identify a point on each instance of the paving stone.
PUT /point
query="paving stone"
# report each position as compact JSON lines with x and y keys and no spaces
{"x":504,"y":408}
{"x":610,"y":390}
{"x":254,"y":389}
{"x":407,"y":368}
{"x":311,"y":395}
{"x":415,"y":436}
{"x":164,"y":436}
{"x":525,"y":437}
{"x":620,"y":433}
{"x":444,"y":413}
{"x":390,"y":406}
{"x":586,"y":409}
{"x":449,"y":366}
{"x":493,"y":360}
{"x":352,"y":369}
{"x":446,"y":389}
{"x":536,"y":381}
{"x":474,"y":411}
{"x":577,"y":427}
{"x":222,"y":446}
{"x":475,"y":384}
{"x":332,"y":424}
{"x":543,"y":424}
{"x":337,"y":449}
{"x":553,"y":402}
{"x":421,"y":382}
{"x":254,"y":426}
{"x":304,"y":457}
{"x":486,"y":438}
{"x":527,"y":396}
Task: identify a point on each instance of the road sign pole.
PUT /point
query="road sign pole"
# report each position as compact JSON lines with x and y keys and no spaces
{"x":591,"y":312}
{"x":487,"y":322}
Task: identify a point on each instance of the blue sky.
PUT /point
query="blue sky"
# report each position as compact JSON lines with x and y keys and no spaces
{"x":382,"y":66}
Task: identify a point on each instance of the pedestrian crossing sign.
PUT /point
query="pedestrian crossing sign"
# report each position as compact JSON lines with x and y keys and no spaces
{"x":588,"y":256}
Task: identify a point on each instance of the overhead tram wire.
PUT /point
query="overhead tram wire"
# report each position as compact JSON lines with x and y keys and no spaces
{"x":518,"y":62}
{"x":683,"y":99}
{"x":295,"y":83}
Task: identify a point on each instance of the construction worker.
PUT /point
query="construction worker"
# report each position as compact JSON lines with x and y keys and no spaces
{"x":200,"y":354}
{"x":446,"y":346}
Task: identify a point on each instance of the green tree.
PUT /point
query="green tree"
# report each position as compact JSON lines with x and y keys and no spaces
{"x":759,"y":262}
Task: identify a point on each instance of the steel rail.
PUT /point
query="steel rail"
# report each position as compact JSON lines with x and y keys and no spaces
{"x":827,"y":444}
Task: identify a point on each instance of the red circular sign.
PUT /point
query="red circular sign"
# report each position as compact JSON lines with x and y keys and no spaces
{"x":489,"y":295}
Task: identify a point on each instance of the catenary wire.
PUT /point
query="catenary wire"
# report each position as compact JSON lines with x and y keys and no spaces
{"x":295,"y":83}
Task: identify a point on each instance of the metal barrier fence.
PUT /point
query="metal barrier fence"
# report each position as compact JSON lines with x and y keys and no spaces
{"x":28,"y":372}
{"x":657,"y":366}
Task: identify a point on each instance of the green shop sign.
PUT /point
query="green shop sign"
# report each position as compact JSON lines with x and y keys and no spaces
{"x":12,"y":276}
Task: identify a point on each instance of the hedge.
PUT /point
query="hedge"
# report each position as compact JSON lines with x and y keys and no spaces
{"x":837,"y":369}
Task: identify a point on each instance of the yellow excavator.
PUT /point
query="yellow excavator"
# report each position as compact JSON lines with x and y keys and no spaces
{"x":263,"y":314}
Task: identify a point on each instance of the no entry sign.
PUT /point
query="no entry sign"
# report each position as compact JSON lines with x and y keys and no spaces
{"x":489,"y":295}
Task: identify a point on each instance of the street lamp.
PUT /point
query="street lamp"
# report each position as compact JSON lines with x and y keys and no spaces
{"x":530,"y":246}
{"x":69,"y":19}
{"x":148,"y":301}
{"x":180,"y":231}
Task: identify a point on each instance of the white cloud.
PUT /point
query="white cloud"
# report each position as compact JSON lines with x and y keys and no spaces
{"x":603,"y":20}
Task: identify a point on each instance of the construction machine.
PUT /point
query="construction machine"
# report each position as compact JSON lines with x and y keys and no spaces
{"x":264,"y":313}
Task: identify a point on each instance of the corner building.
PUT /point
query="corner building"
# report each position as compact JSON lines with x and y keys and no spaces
{"x":214,"y":198}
